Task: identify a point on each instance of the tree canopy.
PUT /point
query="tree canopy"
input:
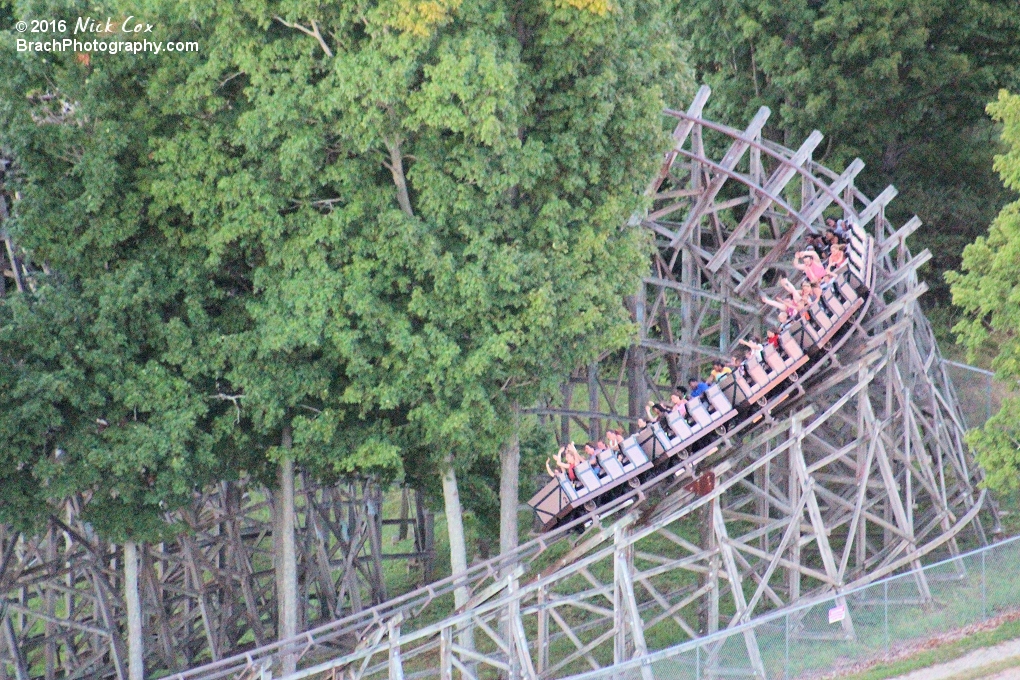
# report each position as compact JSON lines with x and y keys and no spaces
{"x":900,"y":83}
{"x":374,"y":225}
{"x":988,"y":291}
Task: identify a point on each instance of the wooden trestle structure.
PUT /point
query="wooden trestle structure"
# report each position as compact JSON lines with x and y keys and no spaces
{"x":205,"y":595}
{"x":859,"y":472}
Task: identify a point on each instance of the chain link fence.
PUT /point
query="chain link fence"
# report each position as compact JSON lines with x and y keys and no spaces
{"x":870,"y":623}
{"x":980,"y":394}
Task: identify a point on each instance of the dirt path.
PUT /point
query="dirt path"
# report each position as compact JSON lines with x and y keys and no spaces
{"x":1001,"y":662}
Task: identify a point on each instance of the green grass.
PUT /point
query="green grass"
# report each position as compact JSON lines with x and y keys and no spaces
{"x":947,"y":652}
{"x":990,"y":669}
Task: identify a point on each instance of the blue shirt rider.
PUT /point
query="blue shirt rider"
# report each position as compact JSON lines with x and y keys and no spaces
{"x":698,"y":387}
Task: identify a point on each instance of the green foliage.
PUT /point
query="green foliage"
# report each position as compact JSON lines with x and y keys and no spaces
{"x":377,"y":237}
{"x":900,"y":83}
{"x":528,"y":130}
{"x":108,"y":366}
{"x":988,"y":291}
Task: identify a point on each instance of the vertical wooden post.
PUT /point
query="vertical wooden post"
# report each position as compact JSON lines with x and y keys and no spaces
{"x":405,"y":509}
{"x":426,"y":536}
{"x":396,"y":668}
{"x":542,"y":643}
{"x":446,"y":654}
{"x":508,"y":629}
{"x":51,"y":644}
{"x":725,"y":317}
{"x":619,"y":619}
{"x":862,"y":473}
{"x":793,"y":492}
{"x":373,"y":506}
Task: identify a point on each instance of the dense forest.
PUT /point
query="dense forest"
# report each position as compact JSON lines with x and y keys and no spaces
{"x":358,"y":237}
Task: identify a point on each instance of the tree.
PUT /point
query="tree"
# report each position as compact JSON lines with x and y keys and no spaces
{"x":988,"y":291}
{"x":432,"y":200}
{"x":517,"y":138}
{"x":370,"y":228}
{"x":109,"y":360}
{"x":152,"y":361}
{"x":106,"y":364}
{"x":900,"y":83}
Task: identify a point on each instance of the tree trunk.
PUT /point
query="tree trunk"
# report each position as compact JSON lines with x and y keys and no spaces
{"x":455,"y":528}
{"x":136,"y":644}
{"x":458,"y":545}
{"x":509,"y":490}
{"x":396,"y":166}
{"x":285,"y":550}
{"x":425,"y":542}
{"x":637,"y":388}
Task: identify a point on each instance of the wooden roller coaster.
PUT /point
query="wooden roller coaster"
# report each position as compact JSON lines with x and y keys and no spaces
{"x":732,"y":403}
{"x":835,"y":460}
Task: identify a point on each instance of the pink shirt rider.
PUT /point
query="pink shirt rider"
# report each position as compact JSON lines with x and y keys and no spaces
{"x":815,"y":271}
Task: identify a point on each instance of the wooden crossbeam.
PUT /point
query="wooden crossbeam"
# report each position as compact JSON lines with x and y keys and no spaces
{"x":775,"y":185}
{"x":733,"y":155}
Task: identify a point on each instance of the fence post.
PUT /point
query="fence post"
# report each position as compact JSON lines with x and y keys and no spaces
{"x":988,"y":408}
{"x":787,"y":636}
{"x":697,"y":663}
{"x":885,"y":602}
{"x":984,"y":595}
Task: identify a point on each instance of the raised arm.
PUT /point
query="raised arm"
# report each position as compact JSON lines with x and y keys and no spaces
{"x":769,"y":301}
{"x":808,"y":255}
{"x":785,"y":283}
{"x":558,"y":457}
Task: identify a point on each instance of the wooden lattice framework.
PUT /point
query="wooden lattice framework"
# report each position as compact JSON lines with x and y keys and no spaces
{"x":859,"y":472}
{"x":206,"y":594}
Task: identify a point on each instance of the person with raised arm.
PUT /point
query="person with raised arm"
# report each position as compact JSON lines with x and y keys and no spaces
{"x":809,"y":262}
{"x":572,"y":458}
{"x":556,"y":474}
{"x":790,"y":288}
{"x":787,"y":308}
{"x":757,"y":349}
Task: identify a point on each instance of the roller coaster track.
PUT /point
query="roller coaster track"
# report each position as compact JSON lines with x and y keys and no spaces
{"x":855,"y":471}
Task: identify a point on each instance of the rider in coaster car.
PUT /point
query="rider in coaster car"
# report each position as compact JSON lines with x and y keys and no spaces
{"x":698,"y":387}
{"x":719,"y":369}
{"x":757,"y":349}
{"x":837,"y":257}
{"x":591,"y":453}
{"x":810,"y":263}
